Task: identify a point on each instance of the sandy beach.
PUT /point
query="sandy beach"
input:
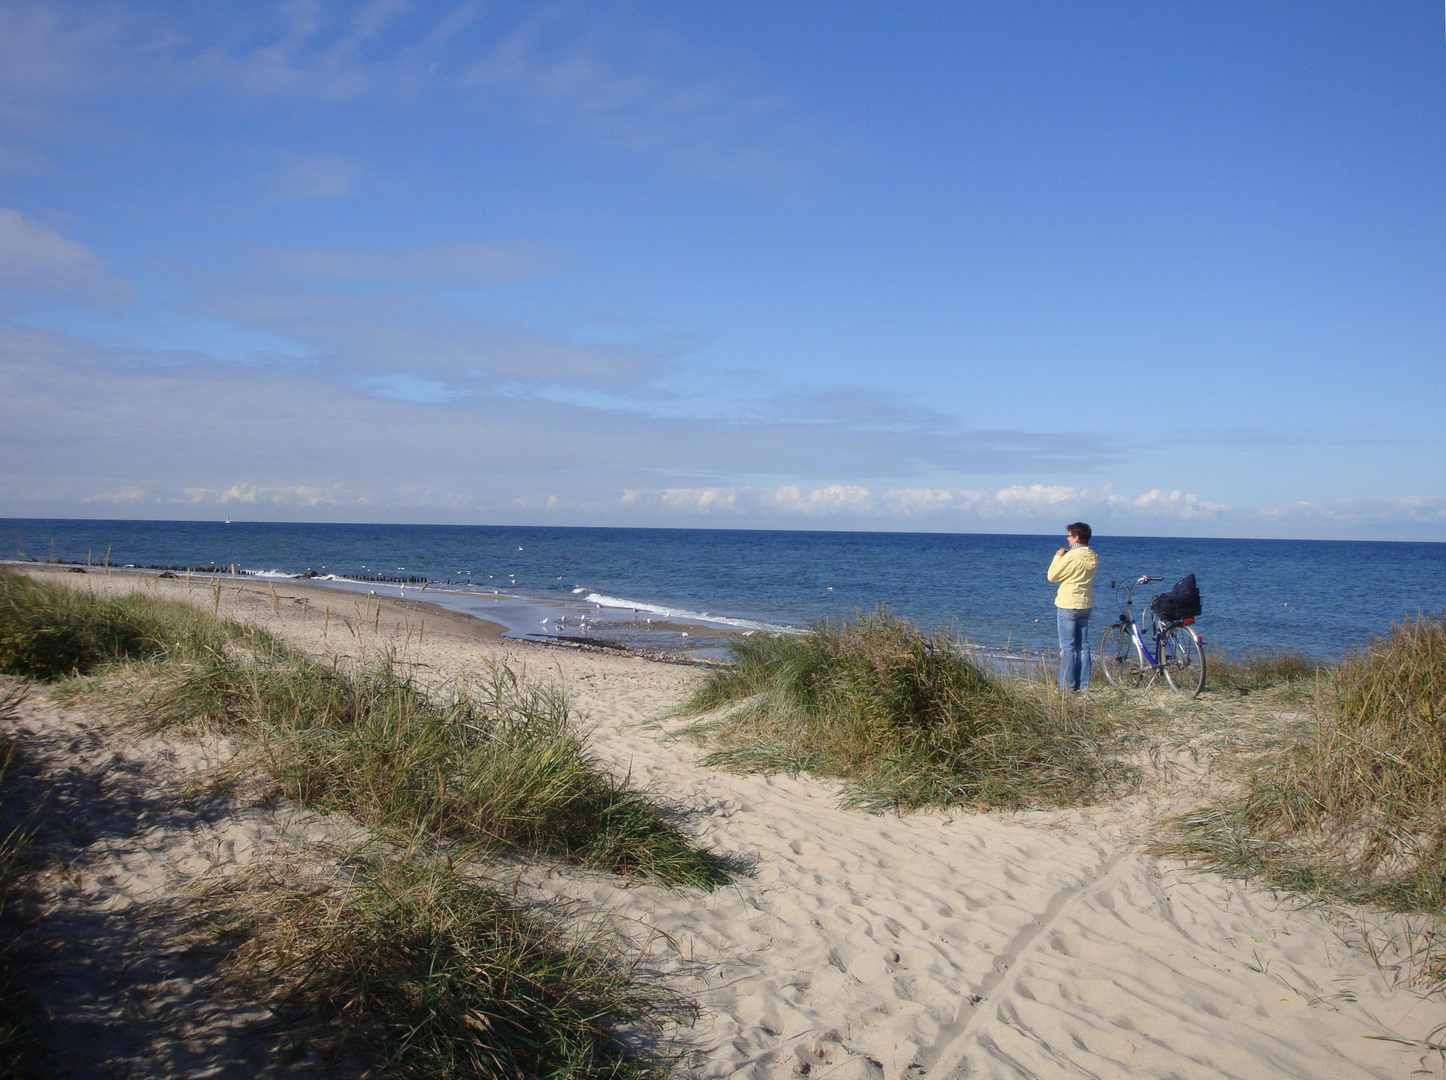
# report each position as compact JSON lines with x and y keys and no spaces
{"x":853,"y":946}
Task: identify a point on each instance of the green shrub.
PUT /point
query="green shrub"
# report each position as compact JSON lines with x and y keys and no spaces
{"x":49,"y":630}
{"x":1264,"y":670}
{"x":497,"y":762}
{"x":1355,"y":804}
{"x":901,"y":715}
{"x":420,"y":972}
{"x":17,"y":1007}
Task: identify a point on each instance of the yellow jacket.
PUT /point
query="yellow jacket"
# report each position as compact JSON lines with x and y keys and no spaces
{"x":1075,"y":573}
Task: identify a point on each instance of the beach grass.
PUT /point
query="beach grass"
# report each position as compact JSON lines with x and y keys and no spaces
{"x":50,"y":630}
{"x":496,"y":761}
{"x":1284,"y":669}
{"x":1353,"y":804}
{"x":403,"y":963}
{"x":17,"y":1007}
{"x":903,"y":717}
{"x":407,"y":962}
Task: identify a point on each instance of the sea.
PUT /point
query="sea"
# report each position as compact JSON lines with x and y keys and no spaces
{"x":680,"y":589}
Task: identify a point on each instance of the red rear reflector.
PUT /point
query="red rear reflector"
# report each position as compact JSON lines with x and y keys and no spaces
{"x":1188,"y":622}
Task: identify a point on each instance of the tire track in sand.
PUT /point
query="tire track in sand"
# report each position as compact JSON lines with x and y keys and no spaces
{"x":940,"y":1060}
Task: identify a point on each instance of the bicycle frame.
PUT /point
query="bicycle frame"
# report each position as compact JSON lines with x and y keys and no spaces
{"x":1156,"y":659}
{"x":1150,"y":658}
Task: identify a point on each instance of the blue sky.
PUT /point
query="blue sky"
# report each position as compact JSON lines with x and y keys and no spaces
{"x":1172,"y":268}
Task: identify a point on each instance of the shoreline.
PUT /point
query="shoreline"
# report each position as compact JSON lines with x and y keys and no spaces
{"x":666,"y":639}
{"x":675,"y":641}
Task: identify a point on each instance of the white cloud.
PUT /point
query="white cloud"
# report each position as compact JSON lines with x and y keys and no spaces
{"x":604,"y":75}
{"x":127,"y":494}
{"x":945,"y":506}
{"x":834,"y":499}
{"x":85,"y":430}
{"x":383,"y":334}
{"x":706,"y":500}
{"x":243,"y":494}
{"x":408,"y":387}
{"x":491,"y":264}
{"x":1174,"y":504}
{"x":45,"y":48}
{"x":1051,"y":500}
{"x":36,"y":261}
{"x":18,"y":162}
{"x":608,"y":81}
{"x":320,"y":176}
{"x":1429,"y":510}
{"x":307,"y":49}
{"x":1048,"y":505}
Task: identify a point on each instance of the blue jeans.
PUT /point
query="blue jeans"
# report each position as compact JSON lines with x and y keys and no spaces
{"x":1074,"y":648}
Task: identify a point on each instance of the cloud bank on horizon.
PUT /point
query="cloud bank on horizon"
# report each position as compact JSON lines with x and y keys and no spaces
{"x":1173,"y":271}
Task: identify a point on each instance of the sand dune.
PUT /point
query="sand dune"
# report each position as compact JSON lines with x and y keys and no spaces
{"x":932,"y":945}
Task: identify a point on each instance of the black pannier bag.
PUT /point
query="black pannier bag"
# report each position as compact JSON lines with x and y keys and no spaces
{"x":1181,"y":602}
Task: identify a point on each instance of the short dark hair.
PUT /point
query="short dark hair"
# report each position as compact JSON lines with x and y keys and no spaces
{"x":1080,"y":529}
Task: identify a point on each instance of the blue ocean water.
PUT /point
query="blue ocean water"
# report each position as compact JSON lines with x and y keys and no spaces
{"x":1322,"y":597}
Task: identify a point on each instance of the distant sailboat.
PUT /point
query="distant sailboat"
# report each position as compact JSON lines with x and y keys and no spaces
{"x":228,"y":519}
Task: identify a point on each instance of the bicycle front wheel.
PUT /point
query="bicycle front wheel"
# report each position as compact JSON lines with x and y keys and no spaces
{"x":1183,"y":658}
{"x":1121,"y":660}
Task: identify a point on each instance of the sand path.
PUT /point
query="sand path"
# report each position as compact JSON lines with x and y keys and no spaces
{"x":933,"y":945}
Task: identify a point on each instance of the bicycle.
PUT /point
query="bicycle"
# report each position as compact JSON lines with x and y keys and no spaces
{"x":1129,"y":662}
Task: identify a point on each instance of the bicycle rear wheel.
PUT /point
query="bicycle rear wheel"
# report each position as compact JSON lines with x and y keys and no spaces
{"x":1121,"y":660}
{"x":1183,"y":658}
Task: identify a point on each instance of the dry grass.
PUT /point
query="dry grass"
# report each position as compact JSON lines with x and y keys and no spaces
{"x":1279,"y":670}
{"x":904,"y":717}
{"x":1354,"y":806}
{"x":49,"y":630}
{"x":401,"y":963}
{"x":497,"y":762}
{"x":400,"y":960}
{"x":17,"y":1033}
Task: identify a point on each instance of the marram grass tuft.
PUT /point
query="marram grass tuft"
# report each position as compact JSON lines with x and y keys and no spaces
{"x":1355,"y":805}
{"x":403,"y":963}
{"x":497,"y":761}
{"x":50,"y":630}
{"x":901,"y":715}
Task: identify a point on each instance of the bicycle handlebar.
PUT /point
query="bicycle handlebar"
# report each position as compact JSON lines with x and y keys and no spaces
{"x":1143,"y":579}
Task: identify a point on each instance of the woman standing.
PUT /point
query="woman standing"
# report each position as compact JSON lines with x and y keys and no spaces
{"x":1073,"y":569}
